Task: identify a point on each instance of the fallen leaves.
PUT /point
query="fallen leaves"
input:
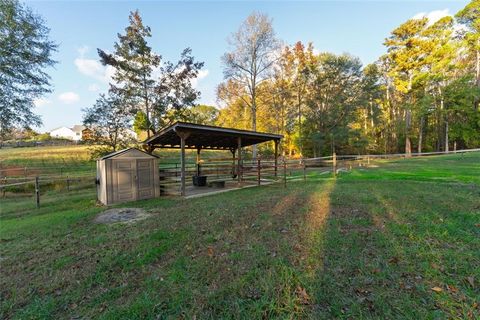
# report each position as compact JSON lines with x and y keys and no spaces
{"x":210,"y":252}
{"x":452,"y":288}
{"x":302,"y":295}
{"x":471,"y":281}
{"x":437,"y":289}
{"x":394,"y":260}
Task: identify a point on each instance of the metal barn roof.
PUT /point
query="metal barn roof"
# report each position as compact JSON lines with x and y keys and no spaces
{"x":207,"y":137}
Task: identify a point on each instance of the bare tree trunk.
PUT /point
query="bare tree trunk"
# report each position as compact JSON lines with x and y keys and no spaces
{"x":420,"y":135}
{"x":408,"y":120}
{"x":477,"y":102}
{"x":299,"y":105}
{"x":408,"y":143}
{"x":445,"y":117}
{"x":254,"y":127}
{"x":446,"y":135}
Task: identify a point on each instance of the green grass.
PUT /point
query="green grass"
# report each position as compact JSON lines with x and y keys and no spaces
{"x":370,"y":244}
{"x":76,"y":160}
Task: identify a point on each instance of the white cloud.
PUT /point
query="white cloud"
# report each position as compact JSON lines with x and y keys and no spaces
{"x":82,"y":51}
{"x":202,"y":74}
{"x":433,"y":16}
{"x":68,"y":97}
{"x":93,"y":87}
{"x":41,"y":102}
{"x":94,"y":69}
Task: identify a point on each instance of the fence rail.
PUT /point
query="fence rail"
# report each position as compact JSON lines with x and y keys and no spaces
{"x":260,"y":171}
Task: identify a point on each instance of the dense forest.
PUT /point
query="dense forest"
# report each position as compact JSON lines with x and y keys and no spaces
{"x":422,"y":95}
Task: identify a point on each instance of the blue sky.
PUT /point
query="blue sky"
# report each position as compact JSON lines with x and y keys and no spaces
{"x":79,"y":27}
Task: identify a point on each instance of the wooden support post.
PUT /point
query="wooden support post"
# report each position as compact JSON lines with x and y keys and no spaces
{"x":258,"y":169}
{"x":284,"y":173}
{"x":182,"y":162}
{"x":239,"y":167}
{"x":183,"y":136}
{"x":276,"y":157}
{"x":233,"y":163}
{"x":198,"y":161}
{"x":334,"y":164}
{"x":37,"y":192}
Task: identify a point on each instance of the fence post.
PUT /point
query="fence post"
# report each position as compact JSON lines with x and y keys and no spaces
{"x":334,"y":164}
{"x":284,"y":173}
{"x":37,"y":192}
{"x":258,"y":170}
{"x":304,"y":170}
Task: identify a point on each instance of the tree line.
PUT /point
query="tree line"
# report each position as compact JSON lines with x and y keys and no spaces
{"x":423,"y":94}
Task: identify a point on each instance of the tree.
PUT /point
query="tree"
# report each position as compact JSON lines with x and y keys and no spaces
{"x":470,"y":18}
{"x":25,"y":52}
{"x":298,"y":62}
{"x":335,"y":95}
{"x":202,"y":114}
{"x":141,"y":123}
{"x":251,"y":59}
{"x":147,"y":84}
{"x":406,"y":50}
{"x":109,"y":122}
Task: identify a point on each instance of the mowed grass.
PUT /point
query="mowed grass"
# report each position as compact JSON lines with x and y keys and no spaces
{"x":68,"y":160}
{"x":76,"y":160}
{"x":400,"y":241}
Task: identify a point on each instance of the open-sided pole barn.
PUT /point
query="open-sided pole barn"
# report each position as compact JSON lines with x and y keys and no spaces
{"x":182,"y":135}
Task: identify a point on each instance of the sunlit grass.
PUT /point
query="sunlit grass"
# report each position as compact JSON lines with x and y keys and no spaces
{"x":370,"y":244}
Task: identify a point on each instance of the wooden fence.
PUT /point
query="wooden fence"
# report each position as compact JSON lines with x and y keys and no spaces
{"x":30,"y":181}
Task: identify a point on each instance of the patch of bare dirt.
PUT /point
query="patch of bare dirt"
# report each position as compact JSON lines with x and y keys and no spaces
{"x":124,"y":215}
{"x":15,"y":171}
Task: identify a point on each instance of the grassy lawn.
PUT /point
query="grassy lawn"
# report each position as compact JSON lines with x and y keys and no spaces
{"x":398,"y":241}
{"x":75,"y":160}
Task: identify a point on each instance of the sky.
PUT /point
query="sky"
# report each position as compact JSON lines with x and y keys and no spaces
{"x":80,"y":27}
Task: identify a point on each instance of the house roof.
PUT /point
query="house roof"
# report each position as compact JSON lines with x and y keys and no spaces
{"x":62,"y":127}
{"x":78,"y":128}
{"x":207,"y":137}
{"x":124,"y":152}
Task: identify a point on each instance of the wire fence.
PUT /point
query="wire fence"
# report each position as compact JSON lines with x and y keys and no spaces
{"x":33,"y":181}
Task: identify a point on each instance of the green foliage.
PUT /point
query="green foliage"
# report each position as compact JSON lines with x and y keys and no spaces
{"x":134,"y":61}
{"x":419,"y":96}
{"x":141,"y":122}
{"x":109,"y":121}
{"x":201,"y":114}
{"x":25,"y":52}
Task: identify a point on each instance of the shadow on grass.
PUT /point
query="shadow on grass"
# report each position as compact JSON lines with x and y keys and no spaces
{"x":386,"y":245}
{"x":323,"y":249}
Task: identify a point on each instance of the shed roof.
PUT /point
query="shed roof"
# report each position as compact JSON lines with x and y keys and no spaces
{"x":129,"y":153}
{"x":207,"y":137}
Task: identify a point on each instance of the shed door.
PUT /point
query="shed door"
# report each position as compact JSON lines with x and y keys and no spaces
{"x":145,"y":173}
{"x":124,"y":180}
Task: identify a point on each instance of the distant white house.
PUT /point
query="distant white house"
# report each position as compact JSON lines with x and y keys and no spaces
{"x":74,"y":133}
{"x":79,"y":133}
